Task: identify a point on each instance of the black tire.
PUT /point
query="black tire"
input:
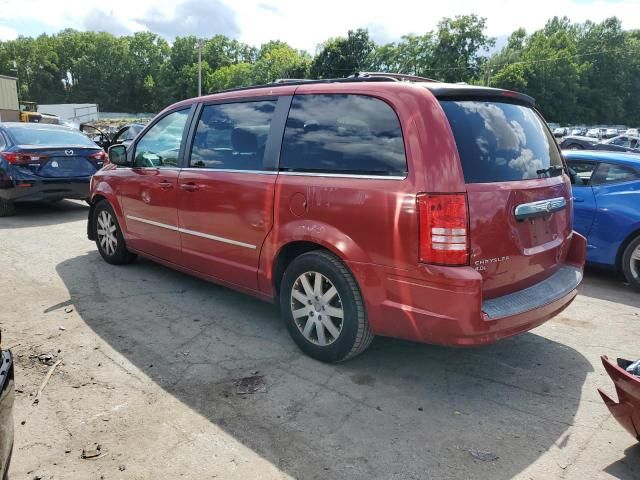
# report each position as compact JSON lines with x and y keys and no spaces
{"x":6,"y":208}
{"x":118,"y":255}
{"x":631,"y":266}
{"x":575,"y":146}
{"x":355,"y":335}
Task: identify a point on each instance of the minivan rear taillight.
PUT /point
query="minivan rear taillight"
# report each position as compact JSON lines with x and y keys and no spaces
{"x":444,"y":228}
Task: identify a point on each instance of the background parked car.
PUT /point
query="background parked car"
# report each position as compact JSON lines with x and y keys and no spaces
{"x":621,"y":143}
{"x":593,"y":133}
{"x":606,"y":205}
{"x":45,"y":162}
{"x":6,"y":409}
{"x":560,"y":132}
{"x":126,"y":134}
{"x":105,"y":138}
{"x":635,"y":132}
{"x":610,"y":133}
{"x":579,"y":131}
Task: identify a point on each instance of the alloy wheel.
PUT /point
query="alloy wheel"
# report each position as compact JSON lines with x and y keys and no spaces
{"x":316,"y":308}
{"x":106,"y":232}
{"x":634,"y":262}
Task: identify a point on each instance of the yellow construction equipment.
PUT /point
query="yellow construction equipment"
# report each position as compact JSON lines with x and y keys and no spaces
{"x":29,"y":114}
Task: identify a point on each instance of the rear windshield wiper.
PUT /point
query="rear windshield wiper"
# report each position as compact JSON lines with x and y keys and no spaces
{"x":552,"y":171}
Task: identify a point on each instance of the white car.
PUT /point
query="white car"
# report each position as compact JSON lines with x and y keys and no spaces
{"x":610,"y":133}
{"x":594,"y":133}
{"x":633,"y":131}
{"x":560,"y":132}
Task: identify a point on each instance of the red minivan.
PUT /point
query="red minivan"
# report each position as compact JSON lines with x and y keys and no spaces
{"x":375,"y":205}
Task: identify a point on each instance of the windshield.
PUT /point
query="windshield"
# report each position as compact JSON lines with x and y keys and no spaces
{"x":49,"y":137}
{"x":501,"y":142}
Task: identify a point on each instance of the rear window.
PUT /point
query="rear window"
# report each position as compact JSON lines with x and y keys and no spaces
{"x":49,"y":137}
{"x":501,"y":142}
{"x":338,"y":133}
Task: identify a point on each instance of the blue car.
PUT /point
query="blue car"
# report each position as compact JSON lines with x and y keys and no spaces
{"x":606,"y":206}
{"x":42,"y":162}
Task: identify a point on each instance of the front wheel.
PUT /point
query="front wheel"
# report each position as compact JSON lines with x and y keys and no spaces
{"x":323,"y":308}
{"x":631,"y":263}
{"x":109,"y":238}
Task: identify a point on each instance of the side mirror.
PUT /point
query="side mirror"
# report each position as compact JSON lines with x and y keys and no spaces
{"x":118,"y":155}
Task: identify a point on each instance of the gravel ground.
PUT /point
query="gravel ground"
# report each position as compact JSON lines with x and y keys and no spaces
{"x":153,"y":362}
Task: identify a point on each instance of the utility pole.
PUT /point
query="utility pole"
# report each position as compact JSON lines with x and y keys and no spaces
{"x":199,"y":68}
{"x":15,"y":69}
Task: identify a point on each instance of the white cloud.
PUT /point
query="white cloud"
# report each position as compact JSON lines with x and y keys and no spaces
{"x":7,"y":33}
{"x":305,"y":25}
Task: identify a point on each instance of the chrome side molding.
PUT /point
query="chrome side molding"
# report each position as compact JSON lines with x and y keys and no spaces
{"x":541,"y":208}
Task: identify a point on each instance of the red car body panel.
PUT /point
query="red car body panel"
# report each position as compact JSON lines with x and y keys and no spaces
{"x":371,"y":224}
{"x":151,"y":194}
{"x":533,"y":247}
{"x":627,"y":410}
{"x":235,"y":206}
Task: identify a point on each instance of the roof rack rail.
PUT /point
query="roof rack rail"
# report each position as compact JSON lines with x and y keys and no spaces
{"x":295,"y":81}
{"x":356,"y":77}
{"x":398,"y":77}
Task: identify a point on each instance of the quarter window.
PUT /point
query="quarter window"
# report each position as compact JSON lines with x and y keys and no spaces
{"x":160,"y":145}
{"x":232,"y":136}
{"x":353,"y":134}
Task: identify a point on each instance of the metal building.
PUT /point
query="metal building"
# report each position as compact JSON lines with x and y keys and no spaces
{"x":9,"y":109}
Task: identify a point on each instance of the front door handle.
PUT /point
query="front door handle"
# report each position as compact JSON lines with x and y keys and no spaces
{"x":189,"y":187}
{"x":578,"y":200}
{"x":165,"y":185}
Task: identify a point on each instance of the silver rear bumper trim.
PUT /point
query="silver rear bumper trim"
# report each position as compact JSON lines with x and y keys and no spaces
{"x":561,"y":283}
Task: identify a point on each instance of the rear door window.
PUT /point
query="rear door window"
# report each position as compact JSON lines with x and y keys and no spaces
{"x":501,"y":142}
{"x":608,"y":173}
{"x":336,"y":133}
{"x":232,"y":136}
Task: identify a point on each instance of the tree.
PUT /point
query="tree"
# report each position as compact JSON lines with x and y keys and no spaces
{"x":341,"y":57}
{"x":279,"y":60}
{"x":459,"y":48}
{"x":578,"y":72}
{"x":236,"y":75}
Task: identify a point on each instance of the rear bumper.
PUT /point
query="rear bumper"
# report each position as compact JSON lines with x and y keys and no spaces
{"x":6,"y":410}
{"x":46,"y":189}
{"x":627,"y":410}
{"x":445,"y":305}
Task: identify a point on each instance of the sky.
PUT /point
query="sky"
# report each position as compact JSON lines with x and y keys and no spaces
{"x":303,"y":25}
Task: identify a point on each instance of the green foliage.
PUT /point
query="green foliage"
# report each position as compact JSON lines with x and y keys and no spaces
{"x":340,"y":57}
{"x":578,"y":72}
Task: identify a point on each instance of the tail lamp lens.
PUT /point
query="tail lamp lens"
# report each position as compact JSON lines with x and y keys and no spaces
{"x":444,"y":220}
{"x":16,"y":158}
{"x":100,"y":156}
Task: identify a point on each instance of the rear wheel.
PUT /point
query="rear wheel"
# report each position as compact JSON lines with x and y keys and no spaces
{"x":631,"y":263}
{"x":109,"y":239}
{"x":575,"y":146}
{"x":323,"y":308}
{"x":6,"y":208}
